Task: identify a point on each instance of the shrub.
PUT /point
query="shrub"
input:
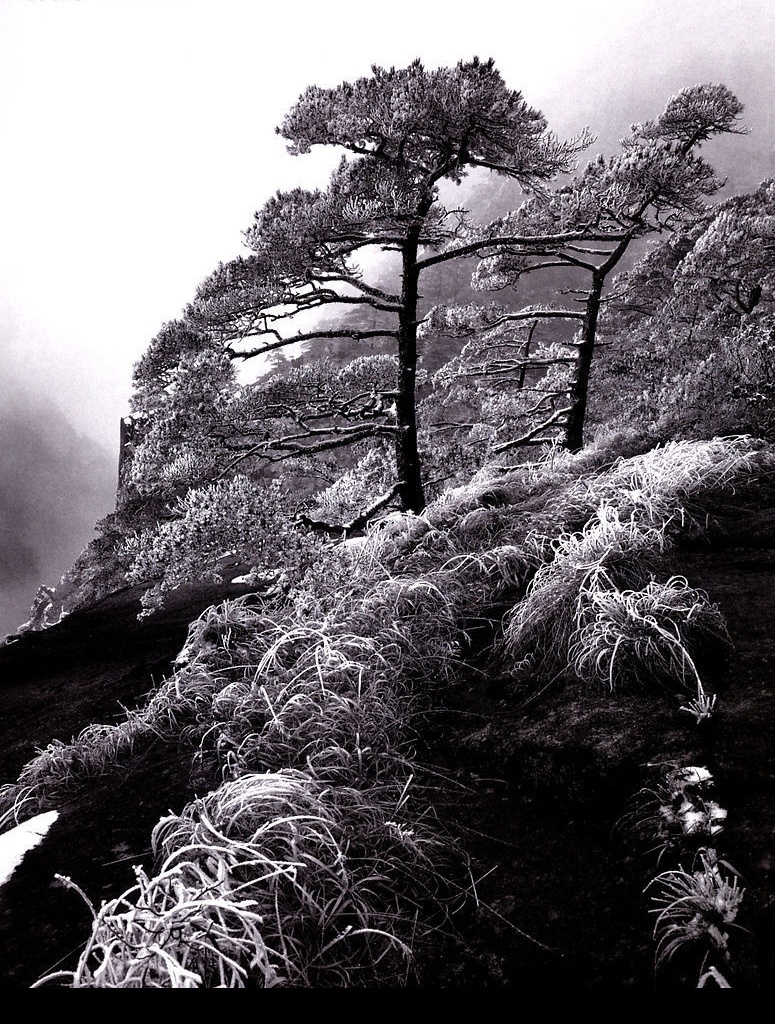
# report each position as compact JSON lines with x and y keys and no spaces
{"x":250,"y":521}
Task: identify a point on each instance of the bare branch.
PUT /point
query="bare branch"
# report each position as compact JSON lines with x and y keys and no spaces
{"x":538,"y":242}
{"x":308,"y":336}
{"x":537,"y":314}
{"x":532,"y":436}
{"x":361,"y":520}
{"x":292,"y":445}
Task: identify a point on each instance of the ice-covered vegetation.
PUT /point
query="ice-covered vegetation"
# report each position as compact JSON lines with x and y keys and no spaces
{"x":540,"y":481}
{"x":316,"y":858}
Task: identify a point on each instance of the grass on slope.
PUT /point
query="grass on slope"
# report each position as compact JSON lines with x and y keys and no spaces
{"x":316,"y":859}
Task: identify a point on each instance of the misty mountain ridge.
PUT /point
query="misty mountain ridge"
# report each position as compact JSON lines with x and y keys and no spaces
{"x":55,"y":483}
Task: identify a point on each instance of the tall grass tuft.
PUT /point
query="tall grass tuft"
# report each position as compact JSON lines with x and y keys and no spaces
{"x":273,"y":880}
{"x":695,"y":488}
{"x":608,"y":554}
{"x":696,"y":909}
{"x":644,"y":638}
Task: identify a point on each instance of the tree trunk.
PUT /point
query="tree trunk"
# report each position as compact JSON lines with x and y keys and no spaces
{"x":408,"y":466}
{"x":579,"y":389}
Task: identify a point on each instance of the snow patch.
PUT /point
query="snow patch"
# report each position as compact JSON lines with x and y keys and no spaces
{"x":15,"y":843}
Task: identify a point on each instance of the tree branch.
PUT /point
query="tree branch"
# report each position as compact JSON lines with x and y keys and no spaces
{"x":306,"y":336}
{"x":361,"y":520}
{"x":537,"y":241}
{"x":531,"y":437}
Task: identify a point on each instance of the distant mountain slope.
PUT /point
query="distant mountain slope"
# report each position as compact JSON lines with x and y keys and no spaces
{"x":55,"y":483}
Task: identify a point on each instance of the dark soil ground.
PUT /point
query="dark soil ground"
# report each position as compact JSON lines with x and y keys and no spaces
{"x":540,"y":791}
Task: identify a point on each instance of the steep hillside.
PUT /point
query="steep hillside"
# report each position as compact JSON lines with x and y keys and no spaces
{"x":430,"y":779}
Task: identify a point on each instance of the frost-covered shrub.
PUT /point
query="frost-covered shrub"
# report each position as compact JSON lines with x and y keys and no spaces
{"x":250,"y":522}
{"x":177,"y":448}
{"x":357,"y":488}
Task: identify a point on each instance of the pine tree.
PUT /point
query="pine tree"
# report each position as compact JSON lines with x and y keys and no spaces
{"x":404,"y":132}
{"x":584,"y":228}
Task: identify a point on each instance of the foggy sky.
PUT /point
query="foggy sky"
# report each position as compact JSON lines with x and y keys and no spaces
{"x":138,"y":140}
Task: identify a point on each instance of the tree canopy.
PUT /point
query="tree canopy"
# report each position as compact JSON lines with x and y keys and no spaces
{"x":586,"y":227}
{"x":345,"y":265}
{"x":403,"y":132}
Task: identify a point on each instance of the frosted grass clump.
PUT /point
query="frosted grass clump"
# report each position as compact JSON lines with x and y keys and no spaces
{"x":273,"y":880}
{"x":696,"y":909}
{"x":643,"y":638}
{"x":610,"y":553}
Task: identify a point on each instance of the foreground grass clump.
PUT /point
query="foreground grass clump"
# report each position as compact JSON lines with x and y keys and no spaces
{"x":605,"y":607}
{"x":310,"y":862}
{"x":315,"y":857}
{"x":542,"y":631}
{"x":643,"y":638}
{"x":697,"y":902}
{"x":697,"y":908}
{"x":272,"y":880}
{"x":676,"y":813}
